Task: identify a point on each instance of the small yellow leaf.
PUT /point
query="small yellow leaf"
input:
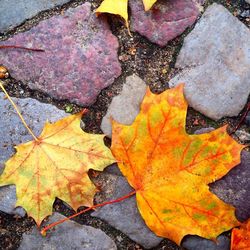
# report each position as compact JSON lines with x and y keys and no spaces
{"x":56,"y":166}
{"x":120,"y":7}
{"x":148,"y":4}
{"x":117,"y":7}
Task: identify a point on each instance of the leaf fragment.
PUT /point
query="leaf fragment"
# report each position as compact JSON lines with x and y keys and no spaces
{"x":170,"y":170}
{"x":148,"y":4}
{"x":56,"y":166}
{"x":240,"y":238}
{"x":120,"y":7}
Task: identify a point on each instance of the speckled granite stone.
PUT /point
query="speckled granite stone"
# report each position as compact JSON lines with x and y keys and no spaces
{"x":166,"y":20}
{"x":80,"y":57}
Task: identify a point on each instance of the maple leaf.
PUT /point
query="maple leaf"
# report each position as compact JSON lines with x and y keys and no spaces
{"x":56,"y":165}
{"x":170,"y":169}
{"x":240,"y":238}
{"x":120,"y":7}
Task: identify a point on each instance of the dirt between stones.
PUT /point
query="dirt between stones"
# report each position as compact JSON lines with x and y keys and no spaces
{"x":155,"y":65}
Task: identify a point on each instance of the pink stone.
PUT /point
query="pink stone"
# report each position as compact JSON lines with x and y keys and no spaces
{"x":166,"y":20}
{"x":80,"y":57}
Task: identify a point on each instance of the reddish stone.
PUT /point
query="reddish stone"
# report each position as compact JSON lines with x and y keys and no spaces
{"x":80,"y":58}
{"x":166,"y":20}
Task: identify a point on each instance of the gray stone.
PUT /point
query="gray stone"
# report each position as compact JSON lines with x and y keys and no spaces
{"x":214,"y":62}
{"x":8,"y":201}
{"x":124,"y":215}
{"x":15,"y":12}
{"x":198,"y":243}
{"x":13,"y":132}
{"x":113,"y":169}
{"x":68,"y":235}
{"x":126,"y":106}
{"x":234,"y":187}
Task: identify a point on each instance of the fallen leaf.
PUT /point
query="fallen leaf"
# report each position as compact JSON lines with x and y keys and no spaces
{"x":120,"y":7}
{"x":56,"y":165}
{"x":170,"y":169}
{"x":240,"y":239}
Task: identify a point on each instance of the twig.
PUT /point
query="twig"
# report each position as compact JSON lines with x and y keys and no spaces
{"x":45,"y":229}
{"x":242,"y":119}
{"x":20,"y":47}
{"x":18,"y":112}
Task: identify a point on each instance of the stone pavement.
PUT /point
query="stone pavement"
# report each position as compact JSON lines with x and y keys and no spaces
{"x":81,"y":59}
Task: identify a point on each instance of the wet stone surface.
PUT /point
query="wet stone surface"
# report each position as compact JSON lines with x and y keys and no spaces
{"x":69,"y":235}
{"x":15,"y":12}
{"x":13,"y":132}
{"x":80,"y":57}
{"x":166,"y":20}
{"x":216,"y":73}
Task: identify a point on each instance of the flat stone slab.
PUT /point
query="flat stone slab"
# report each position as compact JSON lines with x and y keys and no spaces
{"x":198,"y":243}
{"x":234,"y":188}
{"x":124,"y":215}
{"x":166,"y":20}
{"x":80,"y":57}
{"x":125,"y":107}
{"x":15,"y":12}
{"x":214,"y":62}
{"x":68,"y":235}
{"x":13,"y":132}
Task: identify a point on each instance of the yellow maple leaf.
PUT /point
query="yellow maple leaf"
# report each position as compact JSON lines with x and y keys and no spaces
{"x":170,"y":169}
{"x":120,"y":7}
{"x":56,"y":165}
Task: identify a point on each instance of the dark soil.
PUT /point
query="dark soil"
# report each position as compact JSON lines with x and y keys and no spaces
{"x":155,"y":65}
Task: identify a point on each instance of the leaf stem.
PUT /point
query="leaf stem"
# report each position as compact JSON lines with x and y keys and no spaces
{"x":18,"y":112}
{"x":20,"y":47}
{"x":242,"y":119}
{"x":45,"y":229}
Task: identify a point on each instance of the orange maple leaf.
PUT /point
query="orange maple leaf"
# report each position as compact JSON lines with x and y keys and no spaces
{"x":240,"y":238}
{"x":56,"y":165}
{"x":170,"y":169}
